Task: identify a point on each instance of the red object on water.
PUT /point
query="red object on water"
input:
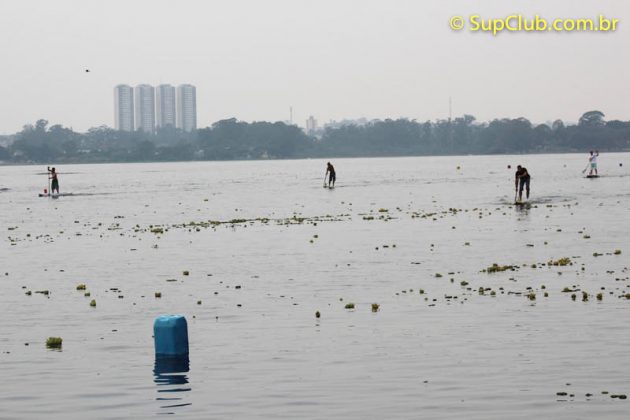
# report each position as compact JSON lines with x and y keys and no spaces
{"x":45,"y":191}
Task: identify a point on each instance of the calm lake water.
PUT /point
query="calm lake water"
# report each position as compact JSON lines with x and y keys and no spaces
{"x":391,"y":228}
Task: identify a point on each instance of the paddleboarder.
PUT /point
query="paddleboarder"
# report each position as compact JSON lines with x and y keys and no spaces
{"x":54,"y":186}
{"x":332,"y":177}
{"x":521,"y":180}
{"x":593,"y":161}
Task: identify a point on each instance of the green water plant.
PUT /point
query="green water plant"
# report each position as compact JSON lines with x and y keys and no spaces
{"x":375,"y":307}
{"x":81,"y":286}
{"x":496,"y":268}
{"x":54,"y":342}
{"x":349,"y":306}
{"x":561,"y":262}
{"x":93,"y":303}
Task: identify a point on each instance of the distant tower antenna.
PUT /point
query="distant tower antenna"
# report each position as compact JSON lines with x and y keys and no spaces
{"x":291,"y":115}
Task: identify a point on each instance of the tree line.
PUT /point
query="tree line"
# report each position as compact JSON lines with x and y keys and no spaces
{"x":232,"y":139}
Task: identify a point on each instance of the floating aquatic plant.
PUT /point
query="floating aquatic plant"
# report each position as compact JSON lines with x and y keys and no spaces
{"x":496,"y":268}
{"x":561,"y":262}
{"x":81,"y":286}
{"x":54,"y":342}
{"x":349,"y":306}
{"x":186,"y":272}
{"x":158,"y":294}
{"x":93,"y":303}
{"x":617,"y":252}
{"x":317,"y":314}
{"x":375,"y":307}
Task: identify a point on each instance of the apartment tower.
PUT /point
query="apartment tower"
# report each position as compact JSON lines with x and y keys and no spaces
{"x":186,"y":108}
{"x":165,"y":106}
{"x":144,"y":96}
{"x":123,"y":108}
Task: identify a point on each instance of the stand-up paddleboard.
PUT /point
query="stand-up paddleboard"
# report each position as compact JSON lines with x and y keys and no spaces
{"x":592,"y":176}
{"x":520,"y":203}
{"x":55,"y":195}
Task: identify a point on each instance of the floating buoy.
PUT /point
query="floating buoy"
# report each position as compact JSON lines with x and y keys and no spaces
{"x":170,"y":334}
{"x":509,"y":166}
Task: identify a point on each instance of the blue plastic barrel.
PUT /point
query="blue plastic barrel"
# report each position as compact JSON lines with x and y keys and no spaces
{"x":171,"y":336}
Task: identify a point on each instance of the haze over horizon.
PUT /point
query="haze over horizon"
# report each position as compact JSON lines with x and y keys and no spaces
{"x":344,"y":59}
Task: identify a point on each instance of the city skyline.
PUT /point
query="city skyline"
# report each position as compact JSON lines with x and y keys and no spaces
{"x":148,"y":108}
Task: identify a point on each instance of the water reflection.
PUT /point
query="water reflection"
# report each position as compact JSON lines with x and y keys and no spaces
{"x":171,"y":380}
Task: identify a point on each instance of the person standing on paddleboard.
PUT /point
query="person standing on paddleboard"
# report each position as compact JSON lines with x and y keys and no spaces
{"x":332,"y":177}
{"x":54,"y":186}
{"x":521,"y":180}
{"x":593,"y":161}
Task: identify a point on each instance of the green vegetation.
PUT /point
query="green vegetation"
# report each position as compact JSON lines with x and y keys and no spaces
{"x":349,"y":306}
{"x":232,"y":139}
{"x":496,"y":268}
{"x":54,"y":342}
{"x":561,"y":262}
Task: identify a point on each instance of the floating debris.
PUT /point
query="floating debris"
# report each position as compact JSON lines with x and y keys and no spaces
{"x":54,"y":342}
{"x":349,"y":306}
{"x":375,"y":307}
{"x":496,"y":268}
{"x":561,"y":262}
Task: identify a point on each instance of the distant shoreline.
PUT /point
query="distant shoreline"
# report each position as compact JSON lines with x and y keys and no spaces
{"x":9,"y":164}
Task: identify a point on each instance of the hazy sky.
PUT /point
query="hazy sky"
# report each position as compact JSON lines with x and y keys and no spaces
{"x":334,"y":59}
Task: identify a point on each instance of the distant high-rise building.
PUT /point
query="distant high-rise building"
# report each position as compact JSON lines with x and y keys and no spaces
{"x":123,"y":108}
{"x":311,"y":125}
{"x":165,"y":106}
{"x":186,"y":108}
{"x":144,"y":96}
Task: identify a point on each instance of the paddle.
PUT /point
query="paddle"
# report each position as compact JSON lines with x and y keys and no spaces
{"x":48,"y":176}
{"x":325,"y":178}
{"x":587,"y":165}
